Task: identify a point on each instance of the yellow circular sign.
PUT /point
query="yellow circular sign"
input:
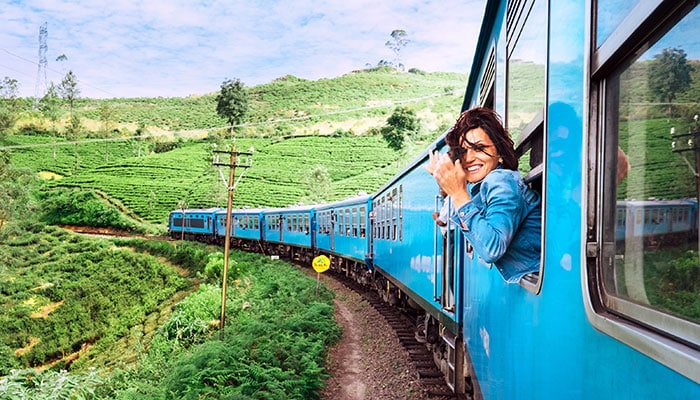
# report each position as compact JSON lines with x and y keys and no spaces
{"x":321,"y":264}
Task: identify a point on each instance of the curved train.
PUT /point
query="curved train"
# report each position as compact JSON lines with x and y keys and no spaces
{"x":607,"y":315}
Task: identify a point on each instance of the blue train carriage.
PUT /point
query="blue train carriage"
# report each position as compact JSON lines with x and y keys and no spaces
{"x":571,"y":81}
{"x":289,"y":232}
{"x":656,"y":222}
{"x":246,"y":228}
{"x":193,"y":224}
{"x":413,"y":267}
{"x":342,"y":234}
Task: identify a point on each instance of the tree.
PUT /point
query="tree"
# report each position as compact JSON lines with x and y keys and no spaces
{"x":232,"y":102}
{"x":140,"y":131}
{"x":397,"y":42}
{"x":669,"y":74}
{"x":10,"y":103}
{"x":319,"y":184}
{"x":402,"y":124}
{"x":68,"y":89}
{"x":50,"y":107}
{"x":106,"y":116}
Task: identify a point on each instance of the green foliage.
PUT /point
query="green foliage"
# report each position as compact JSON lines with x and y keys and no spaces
{"x":27,"y":384}
{"x":402,"y":124}
{"x":68,"y":89}
{"x":81,"y":208}
{"x":10,"y":103}
{"x":15,"y":184}
{"x":669,"y":74}
{"x":274,"y":344}
{"x":277,"y":330}
{"x":61,"y":291}
{"x":192,"y":256}
{"x":318,"y":180}
{"x":647,"y":144}
{"x":232,"y":101}
{"x":672,"y":281}
{"x":191,"y":322}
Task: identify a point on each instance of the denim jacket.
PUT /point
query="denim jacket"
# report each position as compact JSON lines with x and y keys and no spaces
{"x":503,"y":222}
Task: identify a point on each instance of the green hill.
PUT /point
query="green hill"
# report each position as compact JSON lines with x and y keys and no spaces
{"x":157,"y":153}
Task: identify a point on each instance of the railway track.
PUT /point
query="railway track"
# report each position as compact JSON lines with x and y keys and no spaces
{"x":403,"y":325}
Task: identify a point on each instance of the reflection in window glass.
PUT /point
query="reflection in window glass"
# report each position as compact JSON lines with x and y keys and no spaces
{"x":609,"y":15}
{"x":653,"y":107}
{"x":526,"y":71}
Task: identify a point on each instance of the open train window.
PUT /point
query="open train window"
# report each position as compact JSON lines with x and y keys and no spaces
{"x":526,"y":32}
{"x":644,"y":268}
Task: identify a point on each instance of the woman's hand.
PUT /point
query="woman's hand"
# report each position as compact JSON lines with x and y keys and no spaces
{"x":450,"y":176}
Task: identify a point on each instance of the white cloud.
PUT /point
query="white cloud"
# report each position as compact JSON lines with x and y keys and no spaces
{"x":124,"y":48}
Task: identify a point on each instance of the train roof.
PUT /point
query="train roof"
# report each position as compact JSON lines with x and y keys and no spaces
{"x":197,"y":210}
{"x":357,"y":199}
{"x":290,"y":209}
{"x":650,"y":202}
{"x":257,"y":210}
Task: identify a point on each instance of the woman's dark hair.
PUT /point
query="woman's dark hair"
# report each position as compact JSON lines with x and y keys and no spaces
{"x":488,"y":120}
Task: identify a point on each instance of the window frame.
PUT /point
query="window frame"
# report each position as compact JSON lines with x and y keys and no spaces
{"x":533,"y":135}
{"x":671,"y":340}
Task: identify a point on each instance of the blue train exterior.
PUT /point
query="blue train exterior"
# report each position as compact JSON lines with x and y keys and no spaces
{"x":246,"y":226}
{"x":586,"y":326}
{"x":408,"y":249}
{"x":290,"y":232}
{"x":656,"y":219}
{"x":593,"y":322}
{"x":193,"y":223}
{"x":342,"y":233}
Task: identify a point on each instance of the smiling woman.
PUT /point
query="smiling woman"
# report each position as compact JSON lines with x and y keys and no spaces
{"x":498,"y":213}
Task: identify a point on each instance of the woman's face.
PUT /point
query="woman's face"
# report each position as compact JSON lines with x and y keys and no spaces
{"x":480,"y":157}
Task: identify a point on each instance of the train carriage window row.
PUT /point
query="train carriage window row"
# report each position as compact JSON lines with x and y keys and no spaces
{"x":193,"y":221}
{"x":346,"y":221}
{"x":248,"y":221}
{"x":388,"y":215}
{"x":298,"y":223}
{"x":273,"y":222}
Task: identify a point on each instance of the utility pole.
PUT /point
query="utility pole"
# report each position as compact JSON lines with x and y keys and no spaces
{"x":232,"y":164}
{"x":40,"y":86}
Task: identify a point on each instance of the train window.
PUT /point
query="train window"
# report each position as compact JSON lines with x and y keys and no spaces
{"x":341,"y":222}
{"x":380,"y":218}
{"x":526,"y":47}
{"x":401,"y":213}
{"x":348,"y":223}
{"x":487,"y":88}
{"x":363,"y":222}
{"x":353,"y":216}
{"x":527,"y":51}
{"x":647,"y":273}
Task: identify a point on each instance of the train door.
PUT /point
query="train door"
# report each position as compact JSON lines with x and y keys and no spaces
{"x":282,"y":224}
{"x":444,"y":254}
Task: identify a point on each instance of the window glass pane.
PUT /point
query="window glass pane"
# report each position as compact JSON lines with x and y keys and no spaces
{"x":526,"y":72}
{"x":609,"y":14}
{"x":653,"y":107}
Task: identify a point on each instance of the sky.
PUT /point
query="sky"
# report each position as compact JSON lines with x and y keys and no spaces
{"x":177,"y":48}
